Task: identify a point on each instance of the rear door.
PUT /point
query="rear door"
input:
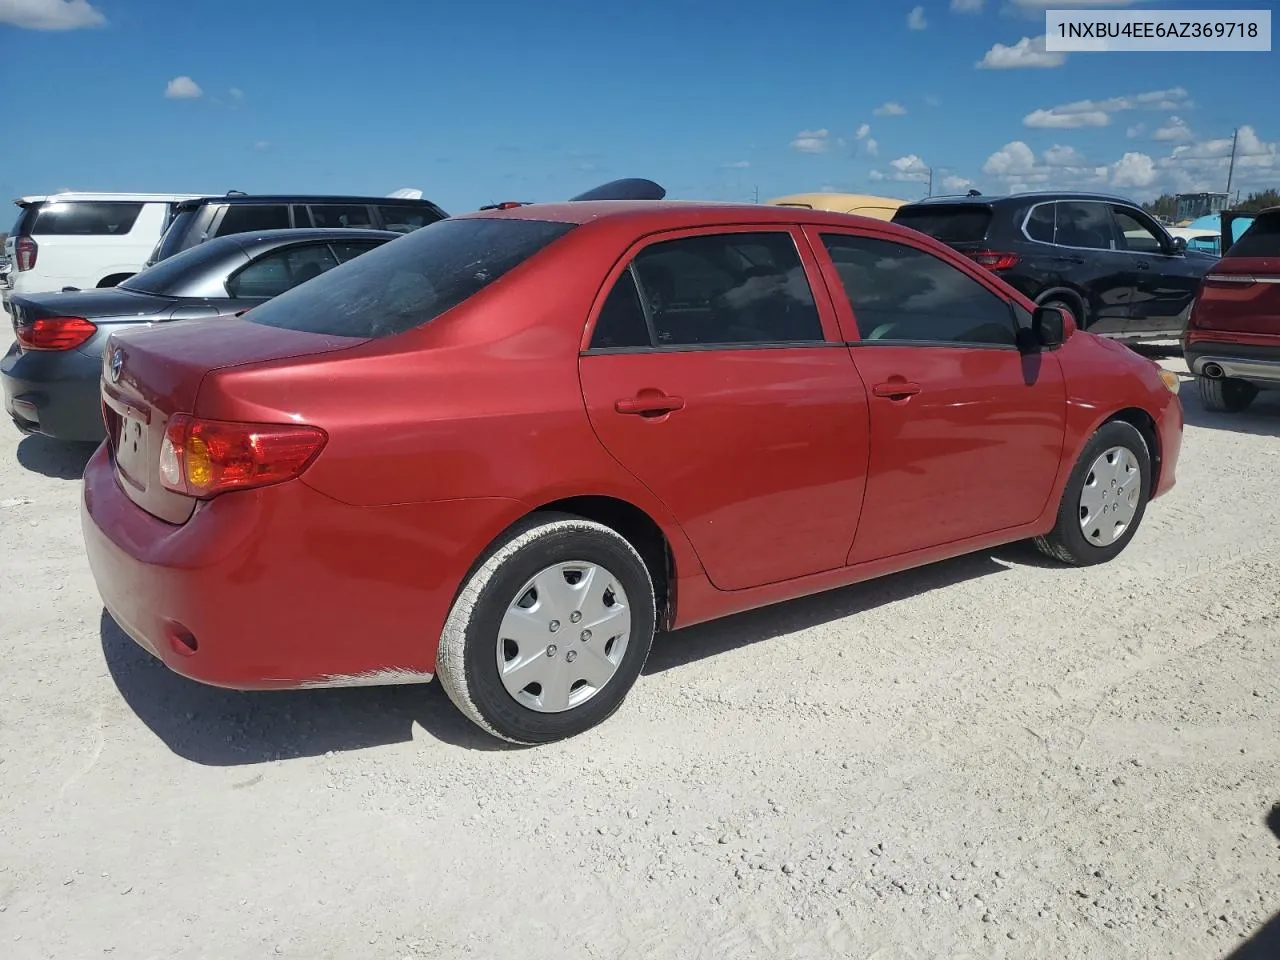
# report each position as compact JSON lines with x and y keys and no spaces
{"x":716,"y":377}
{"x":966,"y":431}
{"x":1092,"y":263}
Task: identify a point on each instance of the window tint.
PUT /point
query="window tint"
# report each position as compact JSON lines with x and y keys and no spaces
{"x":340,"y":215}
{"x":621,"y":322}
{"x":1135,"y":234}
{"x":273,"y":274}
{"x":1262,"y":239}
{"x":406,"y":219}
{"x":961,"y":223}
{"x":900,"y":293}
{"x":1040,"y":225}
{"x":726,"y":289}
{"x":350,"y":249}
{"x":301,"y":218}
{"x":1084,"y":224}
{"x":246,"y":217}
{"x":411,"y":281}
{"x":80,"y":218}
{"x":174,"y":239}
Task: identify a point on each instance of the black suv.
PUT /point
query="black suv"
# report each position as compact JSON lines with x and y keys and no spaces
{"x":1102,"y":258}
{"x":195,"y":221}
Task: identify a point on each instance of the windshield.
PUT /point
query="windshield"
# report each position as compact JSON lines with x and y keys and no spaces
{"x":410,"y":281}
{"x":169,"y":276}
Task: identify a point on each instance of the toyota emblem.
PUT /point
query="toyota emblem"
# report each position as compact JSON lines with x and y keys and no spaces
{"x":117,"y":361}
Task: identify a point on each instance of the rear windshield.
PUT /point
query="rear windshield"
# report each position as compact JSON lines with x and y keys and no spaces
{"x":962,"y":224}
{"x":1262,"y":239}
{"x":410,"y":281}
{"x":77,"y":218}
{"x":170,"y":275}
{"x":171,"y":242}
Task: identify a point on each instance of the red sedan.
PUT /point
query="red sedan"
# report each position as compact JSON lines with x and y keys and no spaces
{"x":506,"y":448}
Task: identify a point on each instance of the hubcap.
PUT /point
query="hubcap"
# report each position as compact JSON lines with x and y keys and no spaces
{"x":563,"y":636}
{"x":1110,"y":495}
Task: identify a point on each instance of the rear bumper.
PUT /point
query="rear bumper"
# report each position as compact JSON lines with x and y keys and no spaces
{"x":284,"y":587}
{"x":53,"y":393}
{"x":1258,"y":363}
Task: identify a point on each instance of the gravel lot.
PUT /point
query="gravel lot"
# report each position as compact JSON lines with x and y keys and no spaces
{"x":991,"y":757}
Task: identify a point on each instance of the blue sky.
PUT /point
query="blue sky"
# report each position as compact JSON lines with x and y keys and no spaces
{"x":484,"y":101}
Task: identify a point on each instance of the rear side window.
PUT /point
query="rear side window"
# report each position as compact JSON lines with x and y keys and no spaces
{"x":622,"y":323}
{"x":900,"y":294}
{"x":405,"y":219}
{"x":247,"y":217}
{"x":410,"y":281}
{"x":1085,"y":224}
{"x":1262,"y":239}
{"x":78,"y":218}
{"x":1042,"y":222}
{"x":273,"y":274}
{"x":174,"y":238}
{"x":726,"y":289}
{"x":967,"y":223}
{"x":345,"y":215}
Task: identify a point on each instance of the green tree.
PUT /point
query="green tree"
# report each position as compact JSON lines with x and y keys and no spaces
{"x":1260,"y":201}
{"x":1165,"y":205}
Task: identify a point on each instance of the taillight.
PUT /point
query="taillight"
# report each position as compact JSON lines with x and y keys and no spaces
{"x":203,"y":458}
{"x":26,"y":250}
{"x":1229,"y":279}
{"x":53,"y":333}
{"x":994,"y":259}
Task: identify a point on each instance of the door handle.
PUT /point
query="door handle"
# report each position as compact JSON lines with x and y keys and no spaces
{"x":896,"y":389}
{"x":1143,"y":265}
{"x":649,"y":405}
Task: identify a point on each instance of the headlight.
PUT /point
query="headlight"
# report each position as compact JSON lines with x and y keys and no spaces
{"x":1170,"y":380}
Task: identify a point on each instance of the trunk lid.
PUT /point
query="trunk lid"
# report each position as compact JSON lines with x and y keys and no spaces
{"x":151,"y":373}
{"x":108,"y":304}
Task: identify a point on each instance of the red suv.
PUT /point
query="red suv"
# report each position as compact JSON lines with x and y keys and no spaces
{"x":507,"y":447}
{"x":1232,"y":343}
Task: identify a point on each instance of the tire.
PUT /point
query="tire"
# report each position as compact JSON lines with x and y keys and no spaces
{"x":553,"y":548}
{"x":1070,"y":308}
{"x":1071,"y":541}
{"x":1225,"y":395}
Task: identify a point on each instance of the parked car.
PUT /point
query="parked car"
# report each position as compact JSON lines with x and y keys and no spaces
{"x":50,"y":374}
{"x":1104,"y":259}
{"x":1232,"y":343}
{"x":507,"y":447}
{"x":880,"y":208}
{"x":204,"y":218}
{"x":82,"y":240}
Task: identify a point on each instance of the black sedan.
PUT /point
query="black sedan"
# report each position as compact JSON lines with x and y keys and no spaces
{"x":50,"y":374}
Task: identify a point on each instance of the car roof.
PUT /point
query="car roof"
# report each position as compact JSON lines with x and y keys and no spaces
{"x":303,"y":234}
{"x":818,"y":200}
{"x":302,"y":198}
{"x":68,"y":196}
{"x":1005,"y":198}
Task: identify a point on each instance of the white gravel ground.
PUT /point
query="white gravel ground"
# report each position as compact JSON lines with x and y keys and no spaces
{"x":994,"y":757}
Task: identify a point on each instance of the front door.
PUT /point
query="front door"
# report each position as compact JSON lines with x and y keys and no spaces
{"x":966,"y":431}
{"x":714,"y":377}
{"x":1165,"y":280}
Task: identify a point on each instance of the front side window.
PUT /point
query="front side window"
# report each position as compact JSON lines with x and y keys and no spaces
{"x":273,"y":274}
{"x":724,"y":289}
{"x":1086,"y":224}
{"x":1135,"y":234}
{"x":340,"y":215}
{"x":80,"y":218}
{"x":901,"y":294}
{"x":250,"y":217}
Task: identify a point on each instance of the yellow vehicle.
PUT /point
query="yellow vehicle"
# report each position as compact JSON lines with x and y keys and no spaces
{"x":881,"y":208}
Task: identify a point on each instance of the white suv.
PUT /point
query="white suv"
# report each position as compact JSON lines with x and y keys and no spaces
{"x":83,"y":240}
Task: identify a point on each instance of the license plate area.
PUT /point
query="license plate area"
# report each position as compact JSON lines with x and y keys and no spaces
{"x":129,"y":431}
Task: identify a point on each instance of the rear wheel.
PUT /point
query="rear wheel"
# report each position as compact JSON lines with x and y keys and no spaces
{"x":1105,"y":498}
{"x":1224,"y":395}
{"x":550,"y":632}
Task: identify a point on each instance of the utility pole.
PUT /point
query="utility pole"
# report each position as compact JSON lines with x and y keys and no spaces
{"x":1232,"y":168}
{"x":757,"y":194}
{"x":931,"y":181}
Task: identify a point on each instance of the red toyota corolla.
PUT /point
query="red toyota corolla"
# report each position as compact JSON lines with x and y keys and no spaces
{"x":506,"y":448}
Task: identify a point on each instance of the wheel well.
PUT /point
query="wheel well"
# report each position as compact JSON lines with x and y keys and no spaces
{"x":1066,"y":293}
{"x":1142,"y":422}
{"x":641,"y":531}
{"x":113,"y":280}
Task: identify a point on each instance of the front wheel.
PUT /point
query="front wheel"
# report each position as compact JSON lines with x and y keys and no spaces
{"x":1224,"y":395}
{"x":550,"y":633}
{"x":1104,"y":500}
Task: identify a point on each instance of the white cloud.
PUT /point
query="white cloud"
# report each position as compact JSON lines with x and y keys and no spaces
{"x":1175,"y":129}
{"x":890,"y":109}
{"x":1097,"y":113}
{"x":1013,"y":159}
{"x":262,"y":145}
{"x":236,"y":93}
{"x":738,"y":165}
{"x":811,"y":141}
{"x":1133,"y":170}
{"x":872,"y":147}
{"x":1026,"y":53}
{"x":50,"y":14}
{"x":863,"y":130}
{"x":956,"y":184}
{"x":1203,"y":165}
{"x":916,"y":20}
{"x":876,"y":175}
{"x":966,"y":6}
{"x":1061,"y":156}
{"x":1137,"y":130}
{"x":183,"y":88}
{"x":932,"y":101}
{"x":910,"y":169}
{"x":1036,"y":6}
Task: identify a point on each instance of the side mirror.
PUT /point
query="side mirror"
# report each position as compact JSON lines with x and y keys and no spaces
{"x":1052,"y":326}
{"x":1179,"y":244}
